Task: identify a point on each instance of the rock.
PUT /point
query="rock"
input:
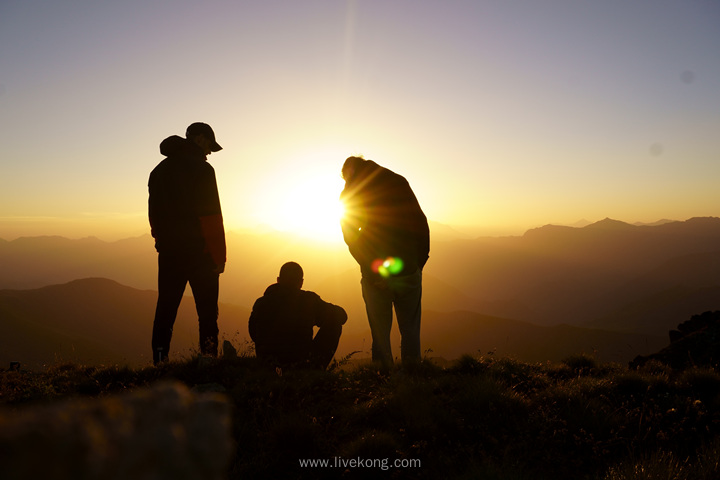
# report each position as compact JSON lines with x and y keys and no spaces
{"x":696,"y":342}
{"x":228,"y":350}
{"x":208,"y":388}
{"x":161,"y":432}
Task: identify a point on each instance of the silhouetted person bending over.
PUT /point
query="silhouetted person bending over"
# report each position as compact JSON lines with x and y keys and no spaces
{"x":282,"y":320}
{"x":387,"y":233}
{"x":187,"y":224}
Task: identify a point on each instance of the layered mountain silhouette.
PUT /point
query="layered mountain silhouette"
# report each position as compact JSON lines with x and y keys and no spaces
{"x":97,"y":320}
{"x":638,"y":281}
{"x":594,"y":275}
{"x":93,"y":320}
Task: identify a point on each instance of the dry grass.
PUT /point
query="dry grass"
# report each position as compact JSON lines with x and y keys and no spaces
{"x":482,"y":417}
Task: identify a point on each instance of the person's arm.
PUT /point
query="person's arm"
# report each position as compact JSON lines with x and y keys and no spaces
{"x":354,"y":218}
{"x":213,"y":232}
{"x":353,"y":225}
{"x":157,"y":207}
{"x":255,"y":324}
{"x":423,"y":238}
{"x":415,"y":222}
{"x":211,"y":220}
{"x":328,"y":312}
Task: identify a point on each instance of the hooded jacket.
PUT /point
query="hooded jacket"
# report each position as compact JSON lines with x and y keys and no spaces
{"x":282,"y":320}
{"x":183,"y":203}
{"x":383,"y":219}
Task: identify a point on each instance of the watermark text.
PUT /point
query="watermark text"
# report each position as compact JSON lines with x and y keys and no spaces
{"x":358,"y":462}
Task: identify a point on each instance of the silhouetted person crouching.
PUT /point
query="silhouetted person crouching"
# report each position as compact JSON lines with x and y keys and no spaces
{"x":282,"y":320}
{"x":187,"y":224}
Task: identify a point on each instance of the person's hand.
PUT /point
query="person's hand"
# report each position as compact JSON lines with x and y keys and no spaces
{"x":219,"y":268}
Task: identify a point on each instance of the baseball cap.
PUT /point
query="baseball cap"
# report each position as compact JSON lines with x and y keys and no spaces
{"x":199,"y":128}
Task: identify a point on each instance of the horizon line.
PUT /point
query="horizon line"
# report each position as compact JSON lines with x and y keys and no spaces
{"x":449,"y":230}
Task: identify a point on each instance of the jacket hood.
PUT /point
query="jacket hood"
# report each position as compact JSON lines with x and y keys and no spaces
{"x":176,"y":146}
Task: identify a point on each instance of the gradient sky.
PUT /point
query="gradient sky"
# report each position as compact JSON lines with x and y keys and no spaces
{"x":503,"y":114}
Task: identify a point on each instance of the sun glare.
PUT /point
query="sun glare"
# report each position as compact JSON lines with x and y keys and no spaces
{"x":305,"y":204}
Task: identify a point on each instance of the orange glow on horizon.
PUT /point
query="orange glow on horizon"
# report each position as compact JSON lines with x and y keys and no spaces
{"x":304,"y":198}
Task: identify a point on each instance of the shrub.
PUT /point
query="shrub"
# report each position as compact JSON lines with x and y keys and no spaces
{"x":663,"y":464}
{"x":581,"y":364}
{"x":467,"y":364}
{"x":703,"y":383}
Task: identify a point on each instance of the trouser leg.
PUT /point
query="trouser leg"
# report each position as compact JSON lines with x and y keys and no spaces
{"x":325,"y":344}
{"x":378,"y":305}
{"x":408,"y":299}
{"x":171,"y":285}
{"x":205,"y":287}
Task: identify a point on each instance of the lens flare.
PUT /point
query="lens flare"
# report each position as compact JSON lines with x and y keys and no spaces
{"x":387,"y":267}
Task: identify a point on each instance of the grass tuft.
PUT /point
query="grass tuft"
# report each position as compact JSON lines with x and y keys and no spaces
{"x":481,"y":417}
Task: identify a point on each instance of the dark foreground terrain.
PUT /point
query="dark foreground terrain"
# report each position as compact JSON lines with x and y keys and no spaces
{"x":477,"y":418}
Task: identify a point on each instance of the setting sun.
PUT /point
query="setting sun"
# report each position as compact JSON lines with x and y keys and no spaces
{"x":304,"y":203}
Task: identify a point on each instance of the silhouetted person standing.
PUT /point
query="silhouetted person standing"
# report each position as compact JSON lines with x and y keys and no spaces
{"x":282,"y":320}
{"x":187,"y":224}
{"x":388,"y":235}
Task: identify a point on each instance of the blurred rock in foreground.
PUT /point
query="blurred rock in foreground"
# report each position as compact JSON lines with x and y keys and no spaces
{"x":165,"y":431}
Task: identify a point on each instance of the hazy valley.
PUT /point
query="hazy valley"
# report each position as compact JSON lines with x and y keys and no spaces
{"x":608,"y":288}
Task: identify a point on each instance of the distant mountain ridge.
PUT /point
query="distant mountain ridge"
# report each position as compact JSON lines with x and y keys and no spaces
{"x":609,"y":223}
{"x":654,"y":224}
{"x":31,"y":262}
{"x":609,"y":275}
{"x":91,"y":319}
{"x":556,"y":274}
{"x":96,"y":320}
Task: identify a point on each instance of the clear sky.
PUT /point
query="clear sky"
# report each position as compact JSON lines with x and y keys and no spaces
{"x":502,"y":114}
